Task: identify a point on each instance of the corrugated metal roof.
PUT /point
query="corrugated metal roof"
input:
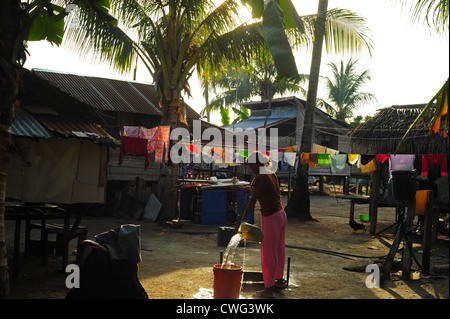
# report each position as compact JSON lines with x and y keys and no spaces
{"x":254,"y":123}
{"x":110,"y":94}
{"x":71,"y":126}
{"x":105,"y":94}
{"x":26,"y":125}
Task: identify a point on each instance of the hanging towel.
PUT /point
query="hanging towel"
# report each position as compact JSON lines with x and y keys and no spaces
{"x":296,"y":148}
{"x":290,"y":149}
{"x":163,"y":145}
{"x":353,"y":158}
{"x":428,"y":159}
{"x":369,"y":167}
{"x":401,"y":162}
{"x":323,"y":159}
{"x":318,"y":149}
{"x":290,"y":158}
{"x":133,"y":146}
{"x":382,"y":157}
{"x":338,"y":162}
{"x":310,"y":158}
{"x":366,"y":159}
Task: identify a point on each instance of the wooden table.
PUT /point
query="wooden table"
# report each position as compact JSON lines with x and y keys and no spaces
{"x":355,"y":199}
{"x":34,"y":212}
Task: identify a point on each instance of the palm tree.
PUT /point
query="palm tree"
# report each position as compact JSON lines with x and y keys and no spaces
{"x":240,"y":85}
{"x":299,"y":204}
{"x":345,"y":32}
{"x":344,"y":90}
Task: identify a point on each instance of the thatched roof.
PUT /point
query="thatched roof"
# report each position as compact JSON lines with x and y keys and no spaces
{"x":382,"y":133}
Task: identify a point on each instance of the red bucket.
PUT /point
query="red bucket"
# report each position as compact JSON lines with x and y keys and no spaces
{"x":227,"y":282}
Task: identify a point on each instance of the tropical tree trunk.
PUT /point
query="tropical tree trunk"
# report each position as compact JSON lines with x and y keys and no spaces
{"x":9,"y":90}
{"x":173,"y":116}
{"x":299,"y":204}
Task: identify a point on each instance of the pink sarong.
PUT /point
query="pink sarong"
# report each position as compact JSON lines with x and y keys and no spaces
{"x":273,"y":247}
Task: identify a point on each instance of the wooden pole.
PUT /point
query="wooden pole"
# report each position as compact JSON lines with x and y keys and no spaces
{"x":289,"y":182}
{"x":407,"y":249}
{"x":427,"y":230}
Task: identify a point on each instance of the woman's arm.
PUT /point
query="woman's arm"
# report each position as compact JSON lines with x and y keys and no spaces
{"x":256,"y":188}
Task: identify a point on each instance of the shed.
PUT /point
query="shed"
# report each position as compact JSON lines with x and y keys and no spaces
{"x":59,"y":153}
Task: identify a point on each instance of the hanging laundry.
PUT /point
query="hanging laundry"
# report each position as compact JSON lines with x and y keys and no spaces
{"x":369,"y":167}
{"x":164,"y":145}
{"x":331,"y":151}
{"x":310,"y":158}
{"x":401,"y":162}
{"x":290,"y":158}
{"x":353,"y":158}
{"x":297,"y":148}
{"x":131,"y":131}
{"x":338,"y":162}
{"x":318,"y":149}
{"x":366,"y":159}
{"x":289,"y":149}
{"x":382,"y":157}
{"x":323,"y":159}
{"x":153,"y":136}
{"x":429,"y":159}
{"x":133,"y":146}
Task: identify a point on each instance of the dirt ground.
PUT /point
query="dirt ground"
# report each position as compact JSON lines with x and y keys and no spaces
{"x":177,"y":263}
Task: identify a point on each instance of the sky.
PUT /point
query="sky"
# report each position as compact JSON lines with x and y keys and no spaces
{"x":409,"y":62}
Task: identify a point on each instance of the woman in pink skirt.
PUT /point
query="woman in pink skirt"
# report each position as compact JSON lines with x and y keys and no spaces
{"x":266,"y":190}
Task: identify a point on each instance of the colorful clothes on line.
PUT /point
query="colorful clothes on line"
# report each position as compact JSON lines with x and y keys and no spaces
{"x":290,"y":149}
{"x":157,"y":139}
{"x":369,"y":167}
{"x":382,"y":157}
{"x":338,"y":162}
{"x":366,"y":159}
{"x":323,"y":159}
{"x":429,"y":159}
{"x":310,"y":158}
{"x":353,"y":158}
{"x":401,"y":162}
{"x":290,"y":158}
{"x":133,"y":146}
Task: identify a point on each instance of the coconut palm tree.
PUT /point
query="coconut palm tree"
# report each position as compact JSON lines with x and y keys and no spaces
{"x":262,"y":78}
{"x":299,"y":204}
{"x":344,"y":90}
{"x":241,"y":85}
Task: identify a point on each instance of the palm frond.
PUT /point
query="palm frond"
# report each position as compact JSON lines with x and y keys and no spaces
{"x":346,"y":32}
{"x":91,"y":33}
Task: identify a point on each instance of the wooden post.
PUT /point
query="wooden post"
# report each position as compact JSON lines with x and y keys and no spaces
{"x":390,"y":257}
{"x":427,"y":230}
{"x":289,"y":182}
{"x":407,"y":249}
{"x":373,"y":209}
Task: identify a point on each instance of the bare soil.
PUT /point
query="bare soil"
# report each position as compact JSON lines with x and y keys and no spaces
{"x":177,"y":263}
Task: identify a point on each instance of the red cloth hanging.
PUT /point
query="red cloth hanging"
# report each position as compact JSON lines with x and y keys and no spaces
{"x":382,"y":157}
{"x":134,"y":146}
{"x":429,"y":159}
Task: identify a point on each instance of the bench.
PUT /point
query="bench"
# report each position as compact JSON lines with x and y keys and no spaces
{"x":80,"y":233}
